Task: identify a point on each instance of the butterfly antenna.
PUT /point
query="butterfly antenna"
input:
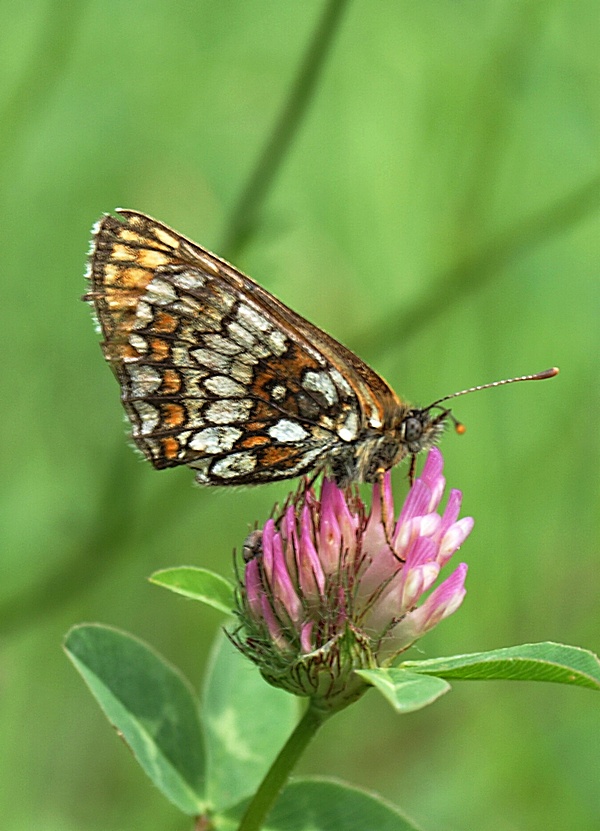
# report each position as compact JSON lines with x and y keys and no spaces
{"x":538,"y":376}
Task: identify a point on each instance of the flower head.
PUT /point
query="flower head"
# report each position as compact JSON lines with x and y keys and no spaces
{"x":328,"y":589}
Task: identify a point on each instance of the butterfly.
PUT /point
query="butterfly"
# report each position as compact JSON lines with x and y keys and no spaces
{"x":218,"y":374}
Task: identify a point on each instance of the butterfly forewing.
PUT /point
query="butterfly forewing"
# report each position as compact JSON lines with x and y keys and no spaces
{"x":215,"y":372}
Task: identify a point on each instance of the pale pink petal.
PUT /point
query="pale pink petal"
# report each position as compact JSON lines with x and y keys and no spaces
{"x":285,"y":598}
{"x":416,"y":503}
{"x":311,"y":577}
{"x":253,"y":586}
{"x":329,"y":534}
{"x":444,"y":600}
{"x":454,"y":538}
{"x":306,"y":642}
{"x":272,"y":624}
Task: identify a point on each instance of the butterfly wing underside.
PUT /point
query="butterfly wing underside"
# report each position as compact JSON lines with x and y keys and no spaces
{"x":215,"y":372}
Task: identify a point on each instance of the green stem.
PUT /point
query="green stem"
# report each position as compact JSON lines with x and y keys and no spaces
{"x":278,"y":774}
{"x":243,"y":216}
{"x":475,"y":270}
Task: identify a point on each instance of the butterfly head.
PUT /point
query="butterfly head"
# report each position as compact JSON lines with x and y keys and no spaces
{"x":421,"y":429}
{"x":405,"y":432}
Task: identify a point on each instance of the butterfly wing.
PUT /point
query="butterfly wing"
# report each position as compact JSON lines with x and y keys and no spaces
{"x":215,"y":372}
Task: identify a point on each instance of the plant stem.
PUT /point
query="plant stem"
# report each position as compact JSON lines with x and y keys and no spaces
{"x":478,"y":268}
{"x":269,"y":789}
{"x":243,"y":217}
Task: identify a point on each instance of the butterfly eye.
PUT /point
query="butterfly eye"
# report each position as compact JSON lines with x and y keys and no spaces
{"x":413,"y":429}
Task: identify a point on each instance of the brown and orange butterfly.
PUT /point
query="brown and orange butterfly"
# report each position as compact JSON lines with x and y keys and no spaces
{"x":219,"y":375}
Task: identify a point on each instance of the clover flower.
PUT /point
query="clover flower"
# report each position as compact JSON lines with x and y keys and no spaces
{"x":327,"y":589}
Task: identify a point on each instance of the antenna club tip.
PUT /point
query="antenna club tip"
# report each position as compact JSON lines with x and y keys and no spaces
{"x":547,"y":373}
{"x":460,"y":428}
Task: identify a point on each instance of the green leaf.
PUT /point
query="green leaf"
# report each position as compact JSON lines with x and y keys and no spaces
{"x":529,"y":662}
{"x":246,"y":723}
{"x":321,"y":804}
{"x":150,"y":703}
{"x":406,"y":691}
{"x":198,"y":584}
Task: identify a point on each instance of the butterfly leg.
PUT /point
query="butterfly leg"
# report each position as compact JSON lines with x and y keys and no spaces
{"x":385,"y":519}
{"x":412,"y":469}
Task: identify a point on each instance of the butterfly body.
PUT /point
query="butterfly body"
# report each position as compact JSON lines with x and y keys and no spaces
{"x":218,"y":374}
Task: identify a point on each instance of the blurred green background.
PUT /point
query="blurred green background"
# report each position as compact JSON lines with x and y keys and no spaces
{"x":437,"y":211}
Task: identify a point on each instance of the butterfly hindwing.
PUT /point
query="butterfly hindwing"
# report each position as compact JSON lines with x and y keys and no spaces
{"x":215,"y":372}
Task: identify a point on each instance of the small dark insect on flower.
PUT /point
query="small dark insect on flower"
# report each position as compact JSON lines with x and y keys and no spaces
{"x":252,"y":546}
{"x":218,"y":374}
{"x":328,"y":589}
